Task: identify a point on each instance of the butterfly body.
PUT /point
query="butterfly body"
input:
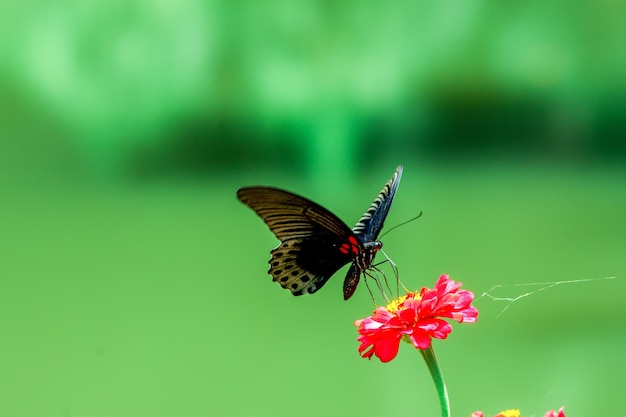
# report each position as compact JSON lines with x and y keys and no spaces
{"x":314,"y":242}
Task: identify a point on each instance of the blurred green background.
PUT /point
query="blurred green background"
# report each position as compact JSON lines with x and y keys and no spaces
{"x":132,"y":282}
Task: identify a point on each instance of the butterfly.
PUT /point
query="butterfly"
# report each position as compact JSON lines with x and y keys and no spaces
{"x":314,"y":242}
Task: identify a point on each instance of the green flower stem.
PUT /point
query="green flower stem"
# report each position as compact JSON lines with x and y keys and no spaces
{"x":435,"y":371}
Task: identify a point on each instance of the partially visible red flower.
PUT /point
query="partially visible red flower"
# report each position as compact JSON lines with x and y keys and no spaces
{"x":506,"y":413}
{"x":553,"y":413}
{"x":415,"y":318}
{"x":516,"y":413}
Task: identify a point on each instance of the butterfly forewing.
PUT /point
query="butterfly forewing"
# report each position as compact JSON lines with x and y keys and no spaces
{"x":314,"y":242}
{"x":372,"y":221}
{"x":289,"y":215}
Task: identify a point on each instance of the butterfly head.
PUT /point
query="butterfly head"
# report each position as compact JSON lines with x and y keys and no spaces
{"x":374,"y":246}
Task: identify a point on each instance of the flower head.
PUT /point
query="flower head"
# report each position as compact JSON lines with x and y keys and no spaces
{"x":516,"y":413}
{"x":416,"y":317}
{"x":553,"y":413}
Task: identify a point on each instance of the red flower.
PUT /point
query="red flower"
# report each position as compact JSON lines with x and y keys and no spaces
{"x":414,"y":318}
{"x":553,"y":413}
{"x":507,"y":413}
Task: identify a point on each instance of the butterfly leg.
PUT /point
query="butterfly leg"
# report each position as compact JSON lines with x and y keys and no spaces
{"x":367,"y":285}
{"x":394,"y":268}
{"x":368,"y":274}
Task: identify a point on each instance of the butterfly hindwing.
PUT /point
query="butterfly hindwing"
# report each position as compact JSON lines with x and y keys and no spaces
{"x":314,"y":242}
{"x":301,"y":271}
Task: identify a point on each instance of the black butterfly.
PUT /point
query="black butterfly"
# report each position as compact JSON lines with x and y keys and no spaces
{"x":314,"y":242}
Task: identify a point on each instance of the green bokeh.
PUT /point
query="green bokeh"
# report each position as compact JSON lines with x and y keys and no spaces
{"x":132,"y":283}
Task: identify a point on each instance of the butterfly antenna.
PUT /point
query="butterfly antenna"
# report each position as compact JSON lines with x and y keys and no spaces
{"x":401,"y":224}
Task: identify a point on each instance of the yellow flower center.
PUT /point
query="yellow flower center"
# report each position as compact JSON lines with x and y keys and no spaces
{"x":510,"y":413}
{"x":396,"y":304}
{"x":393,"y":306}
